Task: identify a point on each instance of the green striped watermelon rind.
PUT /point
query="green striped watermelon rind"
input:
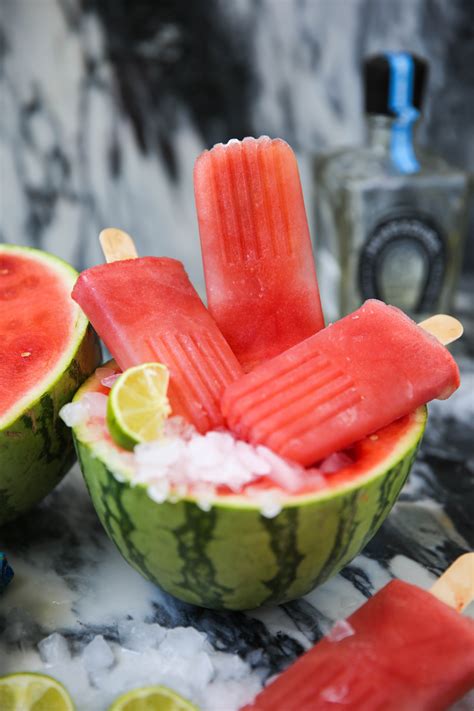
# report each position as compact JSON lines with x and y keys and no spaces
{"x":231,"y":557}
{"x":36,"y":447}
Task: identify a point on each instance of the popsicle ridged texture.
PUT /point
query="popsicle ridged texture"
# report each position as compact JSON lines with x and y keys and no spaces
{"x":404,"y":651}
{"x":260,"y":275}
{"x":146,"y":310}
{"x":345,"y":382}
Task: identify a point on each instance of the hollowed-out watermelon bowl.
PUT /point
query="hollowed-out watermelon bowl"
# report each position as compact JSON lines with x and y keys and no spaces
{"x":47,"y":351}
{"x":229,"y":555}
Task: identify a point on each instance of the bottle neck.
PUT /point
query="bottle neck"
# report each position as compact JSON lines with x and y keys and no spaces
{"x":379,"y":131}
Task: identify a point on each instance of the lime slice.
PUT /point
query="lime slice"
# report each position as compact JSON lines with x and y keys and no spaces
{"x":137,"y":405}
{"x":33,"y":692}
{"x":152,"y":698}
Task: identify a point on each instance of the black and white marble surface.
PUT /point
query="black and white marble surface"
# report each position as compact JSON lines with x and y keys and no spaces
{"x":77,"y":611}
{"x":105,"y":104}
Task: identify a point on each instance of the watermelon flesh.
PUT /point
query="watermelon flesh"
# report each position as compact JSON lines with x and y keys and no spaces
{"x":259,"y":268}
{"x":36,"y":321}
{"x":147,"y":310}
{"x":403,"y":650}
{"x":48,"y":349}
{"x":338,"y":386}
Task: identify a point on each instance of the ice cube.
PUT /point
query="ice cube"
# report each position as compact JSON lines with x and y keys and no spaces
{"x":340,"y":630}
{"x":159,"y":454}
{"x":206,"y":452}
{"x":269,"y":501}
{"x":205,"y":495}
{"x":234,"y":473}
{"x":96,"y":404}
{"x":224,"y":441}
{"x":202,"y":671}
{"x":335,"y":694}
{"x":315,"y":479}
{"x":54,"y":649}
{"x":74,"y":413}
{"x":98,"y":655}
{"x":177,"y":427}
{"x":183,"y":641}
{"x":109,"y":381}
{"x":250,"y":458}
{"x":159,"y":491}
{"x":72,"y":674}
{"x":335,"y":462}
{"x":139,"y":636}
{"x":287,"y":475}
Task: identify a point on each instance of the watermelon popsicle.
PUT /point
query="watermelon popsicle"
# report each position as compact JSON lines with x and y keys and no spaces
{"x":403,"y":650}
{"x":344,"y":383}
{"x":258,"y":263}
{"x":146,"y":310}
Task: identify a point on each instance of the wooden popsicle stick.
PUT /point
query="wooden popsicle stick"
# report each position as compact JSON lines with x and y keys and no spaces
{"x":117,"y":245}
{"x":456,"y":586}
{"x":445,"y":328}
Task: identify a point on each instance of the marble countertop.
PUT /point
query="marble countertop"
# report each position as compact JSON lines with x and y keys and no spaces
{"x":77,"y":611}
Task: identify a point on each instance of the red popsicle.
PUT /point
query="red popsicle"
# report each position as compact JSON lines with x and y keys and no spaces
{"x":404,"y":651}
{"x":146,"y":310}
{"x":260,"y":276}
{"x":345,"y":382}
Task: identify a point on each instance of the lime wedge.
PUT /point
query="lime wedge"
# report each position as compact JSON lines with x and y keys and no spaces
{"x":152,"y":698}
{"x":33,"y":692}
{"x":137,"y":406}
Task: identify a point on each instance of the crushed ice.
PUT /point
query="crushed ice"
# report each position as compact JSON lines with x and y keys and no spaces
{"x":175,"y":464}
{"x":184,"y":462}
{"x":148,"y":653}
{"x":138,"y":636}
{"x":212,"y":458}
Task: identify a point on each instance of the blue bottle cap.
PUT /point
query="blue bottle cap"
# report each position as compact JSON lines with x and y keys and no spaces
{"x":394,"y":86}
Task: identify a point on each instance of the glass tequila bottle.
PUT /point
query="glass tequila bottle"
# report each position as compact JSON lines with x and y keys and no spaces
{"x":390,"y":217}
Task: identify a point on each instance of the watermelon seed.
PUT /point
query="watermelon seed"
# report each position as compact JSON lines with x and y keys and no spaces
{"x":26,"y":354}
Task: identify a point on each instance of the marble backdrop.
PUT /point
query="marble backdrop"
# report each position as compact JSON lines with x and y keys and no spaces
{"x":106,"y":103}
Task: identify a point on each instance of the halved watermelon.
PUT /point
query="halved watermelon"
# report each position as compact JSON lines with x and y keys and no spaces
{"x":231,"y":556}
{"x":47,"y":351}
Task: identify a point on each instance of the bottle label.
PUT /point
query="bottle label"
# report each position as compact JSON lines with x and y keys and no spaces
{"x":400,"y":101}
{"x":403,"y":263}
